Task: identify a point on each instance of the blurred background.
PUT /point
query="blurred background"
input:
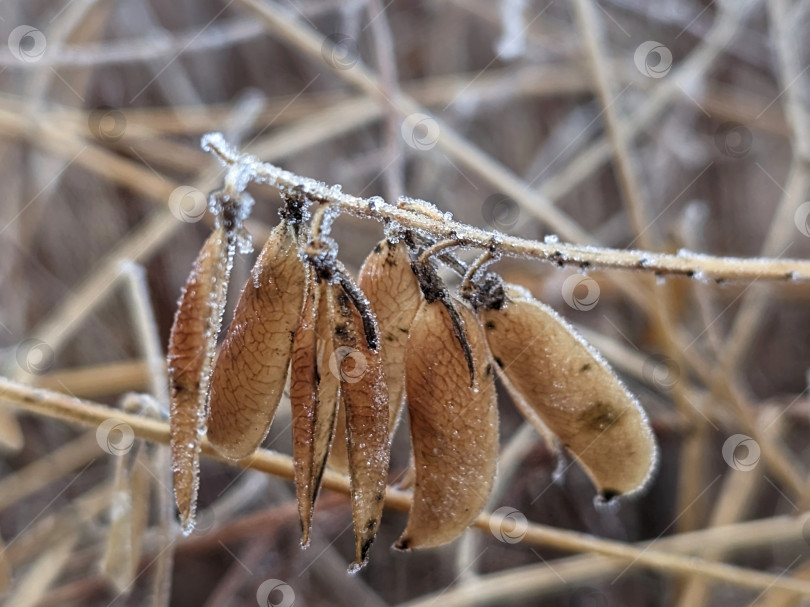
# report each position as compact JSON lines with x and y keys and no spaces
{"x":666,"y":126}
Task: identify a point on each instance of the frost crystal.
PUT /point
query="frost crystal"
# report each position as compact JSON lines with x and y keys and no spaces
{"x":551,"y":239}
{"x":244,"y":242}
{"x":374,"y":203}
{"x":610,"y":506}
{"x":215,"y":143}
{"x":418,"y":205}
{"x":239,"y":175}
{"x":245,"y":207}
{"x":392,"y":231}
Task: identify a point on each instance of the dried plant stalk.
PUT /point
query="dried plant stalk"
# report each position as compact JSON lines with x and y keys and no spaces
{"x":55,"y":405}
{"x":129,"y":515}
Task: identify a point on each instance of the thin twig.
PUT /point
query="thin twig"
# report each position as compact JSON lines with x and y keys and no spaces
{"x":60,"y":406}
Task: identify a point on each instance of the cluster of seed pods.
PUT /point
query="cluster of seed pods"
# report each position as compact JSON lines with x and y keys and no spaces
{"x":355,"y":354}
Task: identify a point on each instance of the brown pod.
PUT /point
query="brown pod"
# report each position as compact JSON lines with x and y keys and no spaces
{"x":454,"y":426}
{"x":338,"y":456}
{"x":356,"y":361}
{"x":251,"y":370}
{"x":192,"y":343}
{"x":393,"y":291}
{"x":313,"y":418}
{"x":573,"y":391}
{"x":328,"y":384}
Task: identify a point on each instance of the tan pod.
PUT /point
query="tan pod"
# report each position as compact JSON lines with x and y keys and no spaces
{"x":454,"y":426}
{"x":313,"y":418}
{"x":356,"y":361}
{"x":573,"y":392}
{"x":251,"y":370}
{"x":393,"y":291}
{"x":191,"y":351}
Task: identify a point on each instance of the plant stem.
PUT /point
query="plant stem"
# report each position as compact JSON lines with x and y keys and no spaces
{"x":68,"y":408}
{"x":685,"y":263}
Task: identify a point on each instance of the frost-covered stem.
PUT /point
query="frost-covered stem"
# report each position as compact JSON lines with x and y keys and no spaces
{"x":317,"y":227}
{"x":475,"y":266}
{"x":685,"y":263}
{"x":440,"y":247}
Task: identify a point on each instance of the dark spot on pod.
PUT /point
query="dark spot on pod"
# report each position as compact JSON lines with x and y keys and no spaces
{"x":585,"y":367}
{"x":378,"y":497}
{"x":460,"y":332}
{"x":402,"y":544}
{"x":608,"y":495}
{"x":490,"y":325}
{"x":598,"y":416}
{"x":432,"y":286}
{"x":499,"y":362}
{"x":690,"y":274}
{"x":378,"y":248}
{"x":366,"y":546}
{"x":352,"y":292}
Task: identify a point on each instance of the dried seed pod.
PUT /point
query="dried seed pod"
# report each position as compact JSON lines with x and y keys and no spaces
{"x":393,"y":291}
{"x":364,"y":398}
{"x":571,"y":389}
{"x":338,"y":456}
{"x":329,"y":385}
{"x":313,"y":419}
{"x":454,"y":426}
{"x":191,"y":351}
{"x":251,"y":370}
{"x":328,"y":382}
